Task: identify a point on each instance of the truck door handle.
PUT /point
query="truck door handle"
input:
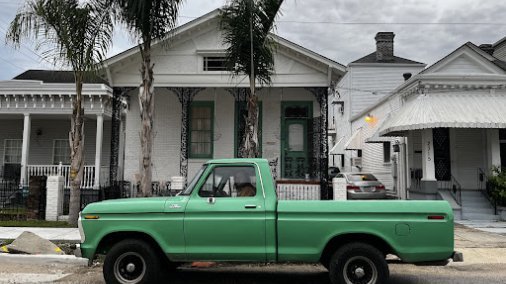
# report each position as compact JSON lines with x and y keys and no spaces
{"x":250,"y":206}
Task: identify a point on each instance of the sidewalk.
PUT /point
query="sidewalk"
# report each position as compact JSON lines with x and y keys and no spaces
{"x":52,"y":234}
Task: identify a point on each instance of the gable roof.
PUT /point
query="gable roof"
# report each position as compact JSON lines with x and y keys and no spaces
{"x":55,"y":76}
{"x":371,"y":58}
{"x":214,"y":15}
{"x":420,"y":76}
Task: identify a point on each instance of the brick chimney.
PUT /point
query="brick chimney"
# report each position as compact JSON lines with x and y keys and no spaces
{"x":384,"y":46}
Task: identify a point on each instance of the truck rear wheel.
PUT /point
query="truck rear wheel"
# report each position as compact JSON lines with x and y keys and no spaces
{"x":358,"y":263}
{"x":131,"y":261}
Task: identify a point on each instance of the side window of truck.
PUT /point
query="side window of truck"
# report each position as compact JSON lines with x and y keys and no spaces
{"x":230,"y":181}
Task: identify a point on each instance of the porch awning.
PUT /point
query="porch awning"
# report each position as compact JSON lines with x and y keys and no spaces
{"x":452,"y":110}
{"x":355,"y":142}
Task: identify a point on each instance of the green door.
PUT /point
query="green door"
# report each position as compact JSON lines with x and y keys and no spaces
{"x":225,"y":217}
{"x":294,"y":131}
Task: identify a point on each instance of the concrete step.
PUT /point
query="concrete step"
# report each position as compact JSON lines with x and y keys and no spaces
{"x":478,"y":216}
{"x":480,"y":210}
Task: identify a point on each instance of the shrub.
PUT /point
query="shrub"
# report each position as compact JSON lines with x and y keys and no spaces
{"x":497,"y":184}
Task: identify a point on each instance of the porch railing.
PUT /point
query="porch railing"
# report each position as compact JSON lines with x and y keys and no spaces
{"x":485,"y":189}
{"x":63,"y":170}
{"x":454,"y":187}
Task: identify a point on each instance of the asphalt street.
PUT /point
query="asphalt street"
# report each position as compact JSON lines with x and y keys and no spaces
{"x":310,"y":274}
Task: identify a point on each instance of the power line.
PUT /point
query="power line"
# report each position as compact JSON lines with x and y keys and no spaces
{"x":384,"y":23}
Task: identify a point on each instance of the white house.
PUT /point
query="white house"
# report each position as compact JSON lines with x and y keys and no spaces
{"x":367,"y":81}
{"x":449,"y":122}
{"x":199,"y":109}
{"x":35,"y":111}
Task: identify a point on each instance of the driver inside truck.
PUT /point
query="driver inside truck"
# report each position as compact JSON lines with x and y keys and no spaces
{"x":243,"y":184}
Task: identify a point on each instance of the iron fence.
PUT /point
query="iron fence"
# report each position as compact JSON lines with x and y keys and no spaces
{"x":13,"y":201}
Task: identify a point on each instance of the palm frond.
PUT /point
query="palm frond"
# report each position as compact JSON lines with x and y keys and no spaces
{"x":148,"y":20}
{"x":235,"y":23}
{"x":78,"y":35}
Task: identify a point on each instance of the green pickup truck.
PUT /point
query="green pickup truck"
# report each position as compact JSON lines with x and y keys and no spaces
{"x":229,"y":212}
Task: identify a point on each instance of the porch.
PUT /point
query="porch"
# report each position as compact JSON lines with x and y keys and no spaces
{"x":452,"y":141}
{"x":34,"y":131}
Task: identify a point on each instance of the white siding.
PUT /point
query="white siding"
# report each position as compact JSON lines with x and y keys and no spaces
{"x":182,"y":65}
{"x":41,"y":146}
{"x":469,"y":146}
{"x":463,"y":64}
{"x":370,"y":84}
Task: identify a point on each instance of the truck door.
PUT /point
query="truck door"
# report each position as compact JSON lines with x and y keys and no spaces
{"x":225,"y":217}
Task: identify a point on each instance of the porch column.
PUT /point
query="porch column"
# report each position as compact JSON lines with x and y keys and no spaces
{"x":98,"y":149}
{"x":116,"y":140}
{"x":493,"y":149}
{"x":322,"y":94}
{"x":428,"y":182}
{"x":25,"y":150}
{"x":185,"y":96}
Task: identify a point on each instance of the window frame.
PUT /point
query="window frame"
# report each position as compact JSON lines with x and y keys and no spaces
{"x":5,"y":151}
{"x":54,"y":152}
{"x":191,"y":155}
{"x":205,"y":67}
{"x":212,"y":171}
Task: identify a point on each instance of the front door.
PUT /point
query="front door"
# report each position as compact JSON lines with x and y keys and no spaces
{"x":225,"y":217}
{"x":295,"y":144}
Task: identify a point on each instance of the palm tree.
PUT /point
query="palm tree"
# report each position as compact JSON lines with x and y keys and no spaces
{"x":77,"y":35}
{"x":148,"y":21}
{"x":246,"y":25}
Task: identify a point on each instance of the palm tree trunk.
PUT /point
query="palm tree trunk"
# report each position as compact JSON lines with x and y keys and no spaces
{"x":250,"y":140}
{"x":146,"y":103}
{"x":76,"y":140}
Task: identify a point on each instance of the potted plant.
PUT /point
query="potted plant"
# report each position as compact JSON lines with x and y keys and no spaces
{"x":497,"y":190}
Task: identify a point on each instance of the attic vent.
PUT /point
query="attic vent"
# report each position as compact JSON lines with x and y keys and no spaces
{"x":215,"y":63}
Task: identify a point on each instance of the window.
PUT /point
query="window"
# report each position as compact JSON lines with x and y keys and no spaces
{"x":359,"y":153}
{"x":241,"y":111}
{"x":61,"y":151}
{"x":386,"y":152}
{"x":201,"y":129}
{"x":12,"y":151}
{"x":361,"y":177}
{"x":215,"y":63}
{"x":228,"y":181}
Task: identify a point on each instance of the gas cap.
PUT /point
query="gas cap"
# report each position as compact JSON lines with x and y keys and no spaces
{"x":402,"y":229}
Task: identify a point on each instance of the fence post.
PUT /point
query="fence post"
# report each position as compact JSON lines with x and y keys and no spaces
{"x":54,"y":198}
{"x":60,"y":168}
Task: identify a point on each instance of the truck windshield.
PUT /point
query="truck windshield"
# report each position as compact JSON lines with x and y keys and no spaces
{"x":192,"y":184}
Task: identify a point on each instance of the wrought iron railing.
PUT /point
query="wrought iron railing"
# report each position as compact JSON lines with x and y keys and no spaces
{"x":454,"y":187}
{"x":485,"y":188}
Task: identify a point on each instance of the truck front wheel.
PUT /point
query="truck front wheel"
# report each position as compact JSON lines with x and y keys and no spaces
{"x":358,"y":263}
{"x":131,"y":261}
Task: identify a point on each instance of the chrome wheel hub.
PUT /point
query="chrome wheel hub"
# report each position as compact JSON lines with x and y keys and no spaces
{"x":129,"y":267}
{"x":360,"y":270}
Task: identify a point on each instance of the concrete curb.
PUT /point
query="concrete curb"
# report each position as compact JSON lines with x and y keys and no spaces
{"x":69,"y":260}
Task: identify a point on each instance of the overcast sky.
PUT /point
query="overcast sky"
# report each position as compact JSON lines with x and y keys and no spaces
{"x":343,"y":30}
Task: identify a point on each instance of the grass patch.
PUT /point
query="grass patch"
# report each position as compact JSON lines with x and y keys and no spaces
{"x":36,"y":223}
